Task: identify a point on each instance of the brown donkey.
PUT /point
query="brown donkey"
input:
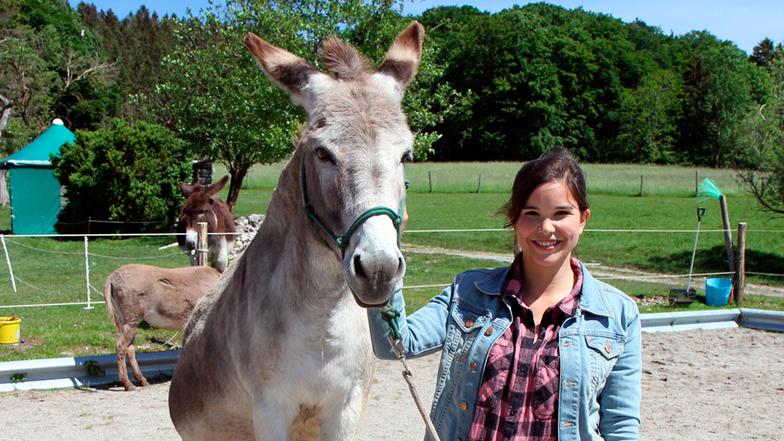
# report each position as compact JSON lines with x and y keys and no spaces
{"x":201,"y":205}
{"x":162,"y":297}
{"x":281,"y":344}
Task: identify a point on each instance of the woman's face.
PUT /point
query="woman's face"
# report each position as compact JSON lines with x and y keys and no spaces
{"x":549,"y":225}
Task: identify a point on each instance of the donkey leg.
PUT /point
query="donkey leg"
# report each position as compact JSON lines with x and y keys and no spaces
{"x":340,"y":421}
{"x":135,"y":366}
{"x":123,"y":342}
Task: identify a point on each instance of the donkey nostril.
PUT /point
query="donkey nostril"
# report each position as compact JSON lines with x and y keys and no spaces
{"x":400,"y":267}
{"x":358,"y":267}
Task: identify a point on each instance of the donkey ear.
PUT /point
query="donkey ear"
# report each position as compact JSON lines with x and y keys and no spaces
{"x":217,"y":186}
{"x":290,"y":72}
{"x":186,"y":189}
{"x":402,"y":59}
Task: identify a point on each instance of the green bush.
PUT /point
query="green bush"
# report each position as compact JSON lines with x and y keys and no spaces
{"x":123,"y":173}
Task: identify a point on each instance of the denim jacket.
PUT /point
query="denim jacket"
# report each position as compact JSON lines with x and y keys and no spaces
{"x":601,"y":364}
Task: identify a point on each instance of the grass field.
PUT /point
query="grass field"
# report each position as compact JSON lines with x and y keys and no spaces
{"x":497,"y":177}
{"x":53,"y":271}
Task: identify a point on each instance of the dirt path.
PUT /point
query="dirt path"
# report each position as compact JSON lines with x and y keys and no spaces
{"x":720,"y":385}
{"x":597,"y":269}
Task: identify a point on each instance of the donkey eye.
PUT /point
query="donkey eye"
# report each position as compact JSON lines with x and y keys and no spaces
{"x":324,"y":155}
{"x":408,"y":156}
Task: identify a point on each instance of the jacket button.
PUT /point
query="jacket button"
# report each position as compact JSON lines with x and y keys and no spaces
{"x":472,"y":366}
{"x":469,"y":323}
{"x":608,"y":347}
{"x":489,"y":331}
{"x":463,"y":406}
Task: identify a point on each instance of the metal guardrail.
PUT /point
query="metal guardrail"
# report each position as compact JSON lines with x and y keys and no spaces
{"x":688,"y":320}
{"x":53,"y":373}
{"x":760,"y":319}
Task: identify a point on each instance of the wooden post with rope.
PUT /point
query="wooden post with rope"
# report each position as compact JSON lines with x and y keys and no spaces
{"x":201,"y":244}
{"x":740,"y":271}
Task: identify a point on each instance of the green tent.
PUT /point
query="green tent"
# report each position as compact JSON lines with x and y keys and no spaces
{"x":35,"y":192}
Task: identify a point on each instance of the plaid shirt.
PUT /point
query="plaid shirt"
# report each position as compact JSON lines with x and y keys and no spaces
{"x":518,"y":398}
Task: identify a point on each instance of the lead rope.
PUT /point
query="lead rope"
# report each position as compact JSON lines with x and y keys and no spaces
{"x":390,"y":314}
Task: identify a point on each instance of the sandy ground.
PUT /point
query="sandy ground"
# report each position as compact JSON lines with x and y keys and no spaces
{"x":699,"y":385}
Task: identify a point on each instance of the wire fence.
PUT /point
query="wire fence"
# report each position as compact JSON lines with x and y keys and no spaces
{"x":61,"y":270}
{"x":45,"y":270}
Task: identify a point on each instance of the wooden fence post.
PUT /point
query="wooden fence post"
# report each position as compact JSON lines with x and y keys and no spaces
{"x":641,"y":180}
{"x":429,"y":182}
{"x":725,"y":219}
{"x":740,"y":271}
{"x":201,"y":245}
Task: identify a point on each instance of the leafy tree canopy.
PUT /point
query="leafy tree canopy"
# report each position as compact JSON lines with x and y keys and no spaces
{"x":123,"y":173}
{"x":212,"y":93}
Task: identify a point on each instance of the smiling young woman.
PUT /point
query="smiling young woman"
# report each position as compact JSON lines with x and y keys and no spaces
{"x":539,"y":350}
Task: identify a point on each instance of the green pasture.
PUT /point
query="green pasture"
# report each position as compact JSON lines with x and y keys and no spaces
{"x":53,"y":270}
{"x":497,"y":177}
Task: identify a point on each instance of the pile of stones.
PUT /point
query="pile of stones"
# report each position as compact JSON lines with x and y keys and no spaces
{"x":247,"y":226}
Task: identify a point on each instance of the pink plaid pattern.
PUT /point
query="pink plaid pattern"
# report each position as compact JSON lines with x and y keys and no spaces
{"x":518,"y":398}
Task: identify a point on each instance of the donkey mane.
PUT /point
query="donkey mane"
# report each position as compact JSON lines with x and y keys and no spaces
{"x":343,"y":60}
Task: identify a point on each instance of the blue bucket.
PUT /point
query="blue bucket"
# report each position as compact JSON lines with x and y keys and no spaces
{"x":717,"y":291}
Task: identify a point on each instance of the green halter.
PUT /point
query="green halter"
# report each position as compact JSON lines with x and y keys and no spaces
{"x":342,"y":241}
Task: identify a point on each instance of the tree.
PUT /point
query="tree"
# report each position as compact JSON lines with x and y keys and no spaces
{"x":542,"y":75}
{"x":648,"y":117}
{"x":762,"y":138}
{"x":123,"y":173}
{"x":25,"y":81}
{"x":49,"y":65}
{"x":720,"y":87}
{"x":763,"y":53}
{"x":213,"y":95}
{"x":135,"y":45}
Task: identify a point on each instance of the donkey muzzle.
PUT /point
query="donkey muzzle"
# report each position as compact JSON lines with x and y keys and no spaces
{"x":374,"y":266}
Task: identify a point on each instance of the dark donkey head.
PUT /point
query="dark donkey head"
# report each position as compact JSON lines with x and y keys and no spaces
{"x":201,"y":205}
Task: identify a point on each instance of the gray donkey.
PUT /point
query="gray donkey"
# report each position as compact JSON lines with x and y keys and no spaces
{"x":280,"y":349}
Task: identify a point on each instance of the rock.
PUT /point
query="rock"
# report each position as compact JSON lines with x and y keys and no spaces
{"x":247,"y":226}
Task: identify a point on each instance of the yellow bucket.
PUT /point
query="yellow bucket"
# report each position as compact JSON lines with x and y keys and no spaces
{"x":9,"y":330}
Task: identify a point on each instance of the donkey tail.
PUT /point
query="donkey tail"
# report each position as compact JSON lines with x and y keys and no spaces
{"x":111,"y":310}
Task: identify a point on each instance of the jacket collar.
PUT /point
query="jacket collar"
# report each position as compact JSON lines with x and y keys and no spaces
{"x":591,"y":298}
{"x":494,"y":282}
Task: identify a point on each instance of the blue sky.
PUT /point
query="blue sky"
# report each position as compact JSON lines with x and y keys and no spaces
{"x":745,"y":22}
